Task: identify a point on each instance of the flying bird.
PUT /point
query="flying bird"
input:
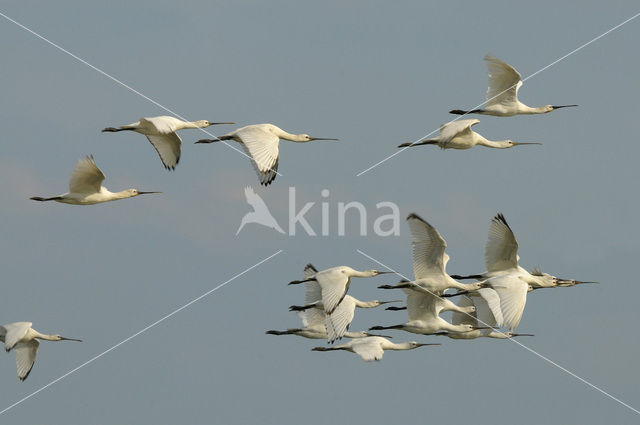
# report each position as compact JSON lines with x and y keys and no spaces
{"x":260,"y":213}
{"x":332,"y":287}
{"x":424,"y":314}
{"x":85,"y":187}
{"x":312,"y":314}
{"x":458,"y":135}
{"x":161,"y":132}
{"x":502,"y":94}
{"x":372,"y":348}
{"x":430,"y":260}
{"x":23,"y":339}
{"x":261,"y":142}
{"x":501,"y":258}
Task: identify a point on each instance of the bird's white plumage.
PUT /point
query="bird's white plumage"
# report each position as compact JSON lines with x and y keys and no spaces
{"x":501,"y":251}
{"x":86,"y":177}
{"x":504,"y":82}
{"x":313,"y":294}
{"x":334,"y":285}
{"x":429,"y":257}
{"x":460,"y":128}
{"x":337,"y":323}
{"x":512,"y":291}
{"x":161,"y":133}
{"x":422,"y":306}
{"x":26,"y":353}
{"x":369,"y":348}
{"x":459,"y":318}
{"x":14,"y":332}
{"x":263,"y":146}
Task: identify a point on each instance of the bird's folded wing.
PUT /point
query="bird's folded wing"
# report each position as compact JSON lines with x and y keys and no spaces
{"x":504,"y":82}
{"x":14,"y":332}
{"x":26,"y":353}
{"x":86,"y":177}
{"x":263,"y":147}
{"x":488,"y":309}
{"x":513,"y":297}
{"x":368,"y":350}
{"x":501,"y":251}
{"x":168,"y":146}
{"x":421,"y":306}
{"x":450,"y":130}
{"x":429,"y":257}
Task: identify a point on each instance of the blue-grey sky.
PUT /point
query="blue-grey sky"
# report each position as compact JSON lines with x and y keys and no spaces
{"x":374,"y":74}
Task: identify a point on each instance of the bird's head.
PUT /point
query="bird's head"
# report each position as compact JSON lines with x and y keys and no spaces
{"x":307,"y":138}
{"x":376,"y":272}
{"x":136,"y":192}
{"x":545,"y":278}
{"x":414,"y":344}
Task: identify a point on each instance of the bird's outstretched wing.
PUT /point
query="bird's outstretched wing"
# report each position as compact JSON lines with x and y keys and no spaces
{"x":368,"y":349}
{"x":13,"y":332}
{"x":334,"y":285}
{"x":504,"y":82}
{"x":314,"y":316}
{"x":513,"y":296}
{"x":429,"y":257}
{"x":263,"y":147}
{"x":501,"y":251}
{"x":422,"y":305}
{"x":167,"y":143}
{"x":488,"y":309}
{"x":86,"y":177}
{"x":338,"y":322}
{"x":26,"y":353}
{"x":456,"y":128}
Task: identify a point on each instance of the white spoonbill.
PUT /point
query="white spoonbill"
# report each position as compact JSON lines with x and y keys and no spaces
{"x":424,"y":315}
{"x":161,"y":132}
{"x":502,"y":94}
{"x":458,"y":135}
{"x":85,"y":187}
{"x":372,"y":348}
{"x":262,"y":143}
{"x":430,"y":259}
{"x":21,"y":337}
{"x":484,"y":316}
{"x":314,"y":319}
{"x":501,"y":257}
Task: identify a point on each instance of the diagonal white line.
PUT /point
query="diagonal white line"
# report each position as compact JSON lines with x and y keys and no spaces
{"x":532,"y":351}
{"x":157,"y":322}
{"x":95,"y":68}
{"x":490,"y":99}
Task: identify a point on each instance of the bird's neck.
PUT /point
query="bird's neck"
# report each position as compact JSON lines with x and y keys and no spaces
{"x":46,"y":337}
{"x":357,"y":273}
{"x":188,"y":124}
{"x":124,"y":194}
{"x":528,"y":110}
{"x":498,"y":144}
{"x":400,"y":346}
{"x":366,"y":304}
{"x":292,"y":137}
{"x":499,"y":335}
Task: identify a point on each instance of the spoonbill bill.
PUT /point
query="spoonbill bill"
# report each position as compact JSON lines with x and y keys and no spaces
{"x":502,"y":94}
{"x":21,"y":337}
{"x":458,"y":135}
{"x":262,"y":143}
{"x":85,"y":187}
{"x":372,"y":348}
{"x":161,"y":132}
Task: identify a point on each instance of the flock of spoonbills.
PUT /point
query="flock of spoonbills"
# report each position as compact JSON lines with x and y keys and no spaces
{"x":496,"y":301}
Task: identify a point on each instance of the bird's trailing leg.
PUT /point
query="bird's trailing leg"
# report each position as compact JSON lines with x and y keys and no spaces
{"x":303,"y":307}
{"x":53,"y":198}
{"x":287,"y":332}
{"x":113,"y":129}
{"x":394,"y":308}
{"x":461,"y":112}
{"x":471,"y":276}
{"x":297,"y":282}
{"x":217,"y":139}
{"x":381,"y":328}
{"x":422,"y":142}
